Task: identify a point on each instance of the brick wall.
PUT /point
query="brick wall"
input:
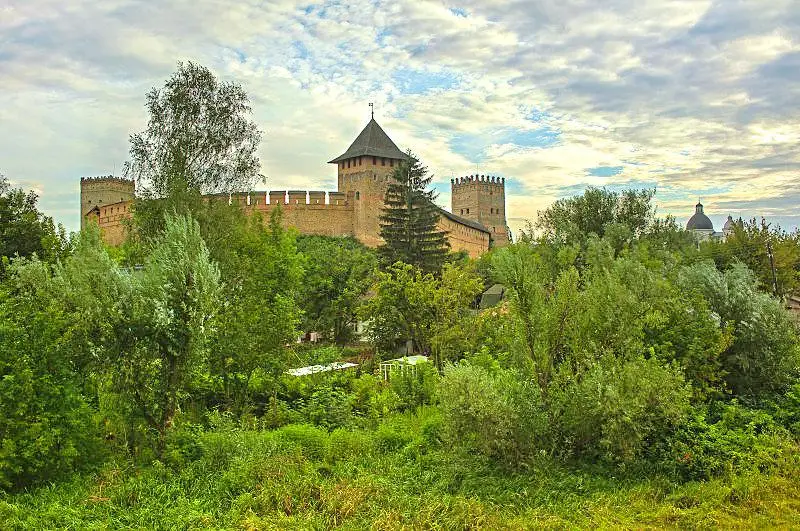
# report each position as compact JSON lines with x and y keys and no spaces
{"x":338,"y":214}
{"x":464,"y":238}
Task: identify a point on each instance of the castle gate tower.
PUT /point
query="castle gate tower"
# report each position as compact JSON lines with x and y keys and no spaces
{"x":101,"y":191}
{"x":482,"y":198}
{"x":363,"y":174}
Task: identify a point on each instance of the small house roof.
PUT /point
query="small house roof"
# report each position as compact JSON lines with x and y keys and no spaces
{"x":408,"y":360}
{"x":492,"y":296}
{"x":313,"y":369}
{"x":372,"y":141}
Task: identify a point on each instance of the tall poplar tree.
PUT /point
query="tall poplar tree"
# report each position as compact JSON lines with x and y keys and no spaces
{"x":409,"y":218}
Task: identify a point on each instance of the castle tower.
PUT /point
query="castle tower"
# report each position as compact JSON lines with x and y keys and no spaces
{"x":363,"y":174}
{"x":482,"y":198}
{"x":101,"y":191}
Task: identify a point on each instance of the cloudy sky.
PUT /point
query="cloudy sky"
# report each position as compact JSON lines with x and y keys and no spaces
{"x":698,"y":99}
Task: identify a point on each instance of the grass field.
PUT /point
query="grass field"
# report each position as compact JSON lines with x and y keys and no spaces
{"x":301,"y":477}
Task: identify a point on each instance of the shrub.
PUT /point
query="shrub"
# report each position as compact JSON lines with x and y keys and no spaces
{"x":47,"y":429}
{"x":312,"y":441}
{"x":415,"y":388}
{"x":729,"y":440}
{"x":616,"y":408}
{"x":344,"y":444}
{"x":499,"y":414}
{"x":328,"y":407}
{"x":389,"y":439}
{"x":764,"y":356}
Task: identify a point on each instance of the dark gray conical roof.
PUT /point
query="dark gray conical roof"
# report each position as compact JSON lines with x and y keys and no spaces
{"x":373,"y":142}
{"x":699,"y":221}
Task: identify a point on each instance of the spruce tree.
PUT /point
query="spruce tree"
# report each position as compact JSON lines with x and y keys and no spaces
{"x":409,"y":218}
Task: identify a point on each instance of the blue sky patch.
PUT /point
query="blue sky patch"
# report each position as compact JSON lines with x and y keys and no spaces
{"x":536,"y":115}
{"x":459,"y":12}
{"x":411,"y":81}
{"x":473,"y":146}
{"x":300,"y":49}
{"x":604,"y":171}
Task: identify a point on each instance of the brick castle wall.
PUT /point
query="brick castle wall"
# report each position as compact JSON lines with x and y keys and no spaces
{"x":112,"y":220}
{"x":354,"y":211}
{"x":464,"y":238}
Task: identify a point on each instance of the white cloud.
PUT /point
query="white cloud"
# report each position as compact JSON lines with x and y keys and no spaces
{"x":691,"y":96}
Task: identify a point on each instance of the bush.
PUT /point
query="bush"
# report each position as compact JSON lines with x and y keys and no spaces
{"x":389,"y":439}
{"x":344,"y":444}
{"x":617,"y":408}
{"x":328,"y":407}
{"x":312,"y":441}
{"x":765,"y":354}
{"x":47,"y":429}
{"x":730,"y":440}
{"x":415,"y":388}
{"x":499,"y":414}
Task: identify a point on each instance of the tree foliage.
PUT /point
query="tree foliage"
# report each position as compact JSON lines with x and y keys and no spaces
{"x":259,"y":314}
{"x":750,"y":243}
{"x":199,"y":136}
{"x":146,"y":330}
{"x":411,"y":305}
{"x":338,"y":273}
{"x":409,"y":220}
{"x":764,"y":355}
{"x":598,"y":211}
{"x":47,"y":428}
{"x":24,"y":230}
{"x":543,"y":309}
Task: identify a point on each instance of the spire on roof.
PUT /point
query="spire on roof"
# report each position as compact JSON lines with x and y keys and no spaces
{"x":372,"y":141}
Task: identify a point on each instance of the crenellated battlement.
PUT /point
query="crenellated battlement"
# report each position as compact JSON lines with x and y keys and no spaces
{"x":292,"y":198}
{"x":478,"y":179}
{"x":107,"y":179}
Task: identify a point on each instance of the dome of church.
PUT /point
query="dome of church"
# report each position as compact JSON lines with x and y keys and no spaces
{"x":699,"y":221}
{"x":728,"y":224}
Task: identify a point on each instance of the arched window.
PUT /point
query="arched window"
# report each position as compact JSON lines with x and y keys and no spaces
{"x":374,"y":161}
{"x":383,"y":161}
{"x":358,"y":196}
{"x":391,"y":163}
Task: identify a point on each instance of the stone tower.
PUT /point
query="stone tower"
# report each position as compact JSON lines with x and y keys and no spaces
{"x":482,"y":198}
{"x":101,"y":191}
{"x":363,"y":174}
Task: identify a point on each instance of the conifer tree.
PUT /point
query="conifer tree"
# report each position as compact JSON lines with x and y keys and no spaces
{"x":409,"y":218}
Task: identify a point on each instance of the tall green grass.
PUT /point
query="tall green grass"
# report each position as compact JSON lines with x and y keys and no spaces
{"x":396,"y":477}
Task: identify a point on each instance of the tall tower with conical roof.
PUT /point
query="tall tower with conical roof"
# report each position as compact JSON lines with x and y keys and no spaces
{"x":363,"y":174}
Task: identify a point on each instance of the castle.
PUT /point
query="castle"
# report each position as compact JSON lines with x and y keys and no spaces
{"x":476,"y":222}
